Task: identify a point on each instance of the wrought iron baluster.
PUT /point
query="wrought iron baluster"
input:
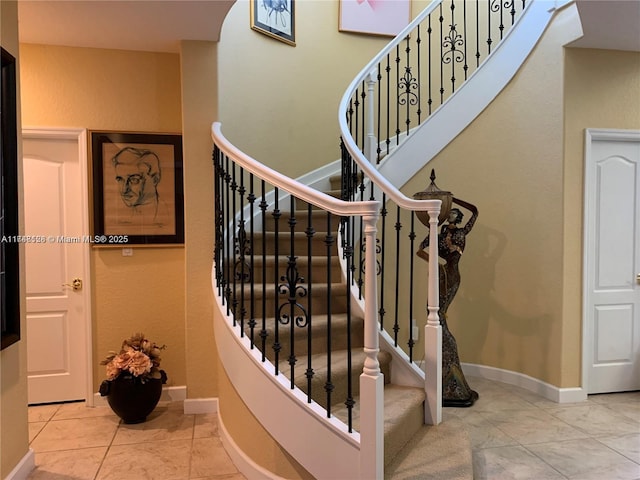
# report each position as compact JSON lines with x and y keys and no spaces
{"x":398,"y":93}
{"x":430,"y":63}
{"x":227,"y":253}
{"x":348,"y":253}
{"x":418,"y":57}
{"x":388,"y":71}
{"x":240,"y":263}
{"x":329,"y":242}
{"x":356,"y":125}
{"x":412,"y":236}
{"x":363,"y":127}
{"x":379,"y":115}
{"x":466,"y":38}
{"x":489,"y":41}
{"x":234,"y":209}
{"x":396,"y":326}
{"x":383,"y":216}
{"x":217,"y":257}
{"x":263,"y":213}
{"x":441,"y":20}
{"x":310,"y":232}
{"x":477,"y":33}
{"x":276,"y":330}
{"x":252,"y":311}
{"x":293,"y":288}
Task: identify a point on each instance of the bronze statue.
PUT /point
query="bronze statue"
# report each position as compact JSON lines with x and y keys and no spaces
{"x":451,"y":243}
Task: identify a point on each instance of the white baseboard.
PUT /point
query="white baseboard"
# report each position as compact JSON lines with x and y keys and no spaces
{"x":24,"y":467}
{"x":245,"y":464}
{"x":169,"y":394}
{"x":546,"y":390}
{"x":194,"y":406}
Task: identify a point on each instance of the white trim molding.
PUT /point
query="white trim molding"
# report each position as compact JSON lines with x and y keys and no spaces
{"x":78,"y":135}
{"x":591,"y":136}
{"x":195,"y":406}
{"x":169,"y":394}
{"x":24,"y":467}
{"x":534,"y":385}
{"x":244,"y":463}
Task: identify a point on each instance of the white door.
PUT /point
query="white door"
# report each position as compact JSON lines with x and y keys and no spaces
{"x":58,"y":313}
{"x":612,"y":261}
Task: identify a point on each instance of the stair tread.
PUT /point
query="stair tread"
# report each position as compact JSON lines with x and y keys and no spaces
{"x":338,"y":362}
{"x":397,"y":400}
{"x":434,"y":452}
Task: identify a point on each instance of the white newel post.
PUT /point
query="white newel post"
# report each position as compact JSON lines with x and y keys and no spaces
{"x":371,"y":142}
{"x":371,"y":379}
{"x":433,"y":332}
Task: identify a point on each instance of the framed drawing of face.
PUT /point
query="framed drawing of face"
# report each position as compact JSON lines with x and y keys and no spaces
{"x":137,"y":188}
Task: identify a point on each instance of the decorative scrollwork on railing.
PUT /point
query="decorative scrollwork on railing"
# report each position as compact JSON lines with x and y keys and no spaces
{"x":495,"y":5}
{"x":294,"y":288}
{"x":242,"y":270}
{"x":407,"y":83}
{"x":453,"y":43}
{"x":363,"y":248}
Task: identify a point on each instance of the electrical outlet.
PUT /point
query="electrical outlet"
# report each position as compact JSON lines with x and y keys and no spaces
{"x":415,"y":330}
{"x":127,"y":252}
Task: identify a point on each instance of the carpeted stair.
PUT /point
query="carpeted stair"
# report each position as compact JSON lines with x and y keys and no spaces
{"x":412,"y":450}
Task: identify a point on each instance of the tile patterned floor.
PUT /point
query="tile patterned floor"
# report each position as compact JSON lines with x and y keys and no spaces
{"x":73,"y":442}
{"x":516,"y":434}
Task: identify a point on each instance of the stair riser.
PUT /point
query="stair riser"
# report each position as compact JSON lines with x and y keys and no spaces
{"x":318,"y":222}
{"x":319,"y":270}
{"x":339,"y":339}
{"x":300,"y":245}
{"x":276,"y":307}
{"x":338,"y":379}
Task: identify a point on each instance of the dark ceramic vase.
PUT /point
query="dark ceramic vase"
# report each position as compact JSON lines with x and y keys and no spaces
{"x":133,"y":400}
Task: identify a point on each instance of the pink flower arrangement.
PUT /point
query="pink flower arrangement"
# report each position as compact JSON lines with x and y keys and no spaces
{"x":138,"y":357}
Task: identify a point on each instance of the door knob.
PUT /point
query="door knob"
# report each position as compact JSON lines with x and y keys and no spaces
{"x":76,"y":284}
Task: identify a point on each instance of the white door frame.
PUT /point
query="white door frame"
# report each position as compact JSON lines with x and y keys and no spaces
{"x":591,"y":135}
{"x":79,"y":135}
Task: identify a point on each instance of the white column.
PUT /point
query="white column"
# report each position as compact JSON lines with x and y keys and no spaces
{"x":371,"y":379}
{"x":371,"y":142}
{"x":433,"y":332}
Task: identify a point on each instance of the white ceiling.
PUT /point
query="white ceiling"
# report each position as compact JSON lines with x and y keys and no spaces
{"x":609,"y":24}
{"x":159,"y":25}
{"x":148,"y":25}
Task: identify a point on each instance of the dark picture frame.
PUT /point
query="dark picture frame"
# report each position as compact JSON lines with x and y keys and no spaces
{"x":9,"y":246}
{"x":137,"y":181}
{"x":275,"y":18}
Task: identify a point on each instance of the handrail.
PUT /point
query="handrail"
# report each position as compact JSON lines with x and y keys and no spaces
{"x":293,"y":293}
{"x":427,"y":65}
{"x":308,"y":194}
{"x":392,"y":192}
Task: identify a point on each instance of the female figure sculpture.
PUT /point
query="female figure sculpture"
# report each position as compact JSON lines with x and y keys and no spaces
{"x":451,"y":243}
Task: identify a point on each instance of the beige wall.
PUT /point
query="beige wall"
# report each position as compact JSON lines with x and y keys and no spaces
{"x":521,"y":163}
{"x":199,"y":105}
{"x":602,"y":88}
{"x":14,"y":434}
{"x":129,"y":91}
{"x":509,"y":163}
{"x":279,"y":103}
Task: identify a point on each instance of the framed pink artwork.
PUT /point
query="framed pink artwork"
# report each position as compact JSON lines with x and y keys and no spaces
{"x":374,"y":17}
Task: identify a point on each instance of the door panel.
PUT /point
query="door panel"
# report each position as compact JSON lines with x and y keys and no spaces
{"x":58,"y":316}
{"x":612,"y":223}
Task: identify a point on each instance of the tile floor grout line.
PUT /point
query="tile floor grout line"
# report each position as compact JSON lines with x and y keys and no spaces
{"x":106,"y":452}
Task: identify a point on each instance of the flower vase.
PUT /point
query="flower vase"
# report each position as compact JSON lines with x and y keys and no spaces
{"x":130,"y":398}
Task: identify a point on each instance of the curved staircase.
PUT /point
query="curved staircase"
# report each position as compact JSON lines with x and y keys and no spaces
{"x":317,"y":296}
